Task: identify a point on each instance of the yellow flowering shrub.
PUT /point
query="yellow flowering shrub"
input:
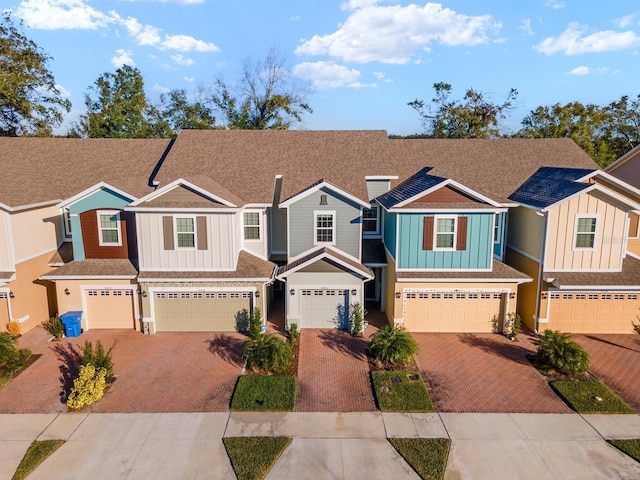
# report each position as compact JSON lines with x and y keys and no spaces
{"x":88,"y":388}
{"x":13,"y":328}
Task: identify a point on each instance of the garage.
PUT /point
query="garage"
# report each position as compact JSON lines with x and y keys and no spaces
{"x":453,"y":311}
{"x":110,"y":308}
{"x":198,"y":311}
{"x":323,"y":308}
{"x":592,"y":312}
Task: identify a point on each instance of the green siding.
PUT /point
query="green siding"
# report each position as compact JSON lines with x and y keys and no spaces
{"x":477,"y":255}
{"x":390,"y":220}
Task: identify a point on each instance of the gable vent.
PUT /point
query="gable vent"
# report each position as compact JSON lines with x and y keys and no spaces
{"x":323,"y":200}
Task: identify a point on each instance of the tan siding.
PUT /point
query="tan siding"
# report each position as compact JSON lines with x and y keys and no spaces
{"x":525,"y":228}
{"x":6,"y":265}
{"x":610,"y":235}
{"x":36,"y":231}
{"x":219,"y":255}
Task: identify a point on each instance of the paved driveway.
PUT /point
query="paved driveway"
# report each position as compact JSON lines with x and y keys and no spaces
{"x":484,"y":373}
{"x":167,"y":372}
{"x":615,"y":360}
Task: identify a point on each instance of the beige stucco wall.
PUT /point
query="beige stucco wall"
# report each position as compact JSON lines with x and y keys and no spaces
{"x":610,"y":240}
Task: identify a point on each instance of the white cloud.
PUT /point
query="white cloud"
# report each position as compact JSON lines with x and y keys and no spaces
{"x":295,"y":18}
{"x":572,"y":41}
{"x":326,"y":74}
{"x":62,"y":14}
{"x":625,"y":21}
{"x":63,"y":91}
{"x":394,"y":34}
{"x":525,"y":26}
{"x":181,"y":60}
{"x":144,"y":34}
{"x":186,"y":43}
{"x":160,"y":89}
{"x":363,"y":85}
{"x":123,"y":57}
{"x":581,"y":70}
{"x":189,"y":79}
{"x":382,"y":77}
{"x":355,"y":4}
{"x":555,"y":4}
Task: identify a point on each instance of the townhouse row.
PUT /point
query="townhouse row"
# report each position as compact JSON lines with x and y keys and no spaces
{"x":441,"y":235}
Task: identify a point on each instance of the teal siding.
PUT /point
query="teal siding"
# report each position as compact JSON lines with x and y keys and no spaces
{"x":478,"y":253}
{"x":302,"y":227}
{"x":390,"y":221}
{"x":101,"y":199}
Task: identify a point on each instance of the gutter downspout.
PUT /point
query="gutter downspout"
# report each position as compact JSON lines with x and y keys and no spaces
{"x":536,"y":314}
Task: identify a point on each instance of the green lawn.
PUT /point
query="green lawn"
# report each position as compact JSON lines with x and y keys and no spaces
{"x":401,"y":391}
{"x":261,"y":393}
{"x":427,"y":456}
{"x":630,"y":447}
{"x":36,"y":454}
{"x":590,"y":396}
{"x":4,"y":381}
{"x":253,"y":457}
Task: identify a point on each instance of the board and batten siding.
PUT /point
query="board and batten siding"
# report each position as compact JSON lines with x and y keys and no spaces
{"x":220,"y":253}
{"x":478,"y":253}
{"x":389,"y":234}
{"x":524,"y":231}
{"x":375,"y":188}
{"x":6,"y":263}
{"x":302,"y":223}
{"x":278,"y":229}
{"x":609,"y":240}
{"x":35,"y":232}
{"x":259,"y":247}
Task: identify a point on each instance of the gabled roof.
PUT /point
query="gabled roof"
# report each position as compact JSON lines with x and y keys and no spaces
{"x":550,"y":185}
{"x":94,"y":269}
{"x":327,"y":254}
{"x":153,"y":199}
{"x":320,"y":184}
{"x":91,"y":190}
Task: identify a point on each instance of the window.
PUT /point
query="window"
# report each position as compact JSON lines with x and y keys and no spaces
{"x":251,"y":225}
{"x":593,"y":296}
{"x":185,"y":232}
{"x":109,"y":228}
{"x":370,"y":220}
{"x":66,"y":217}
{"x":445,"y":233}
{"x":325,"y":227}
{"x":496,"y":229}
{"x":632,"y":296}
{"x":585,"y":232}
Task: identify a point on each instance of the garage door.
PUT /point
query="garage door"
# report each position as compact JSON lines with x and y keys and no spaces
{"x":110,"y":308}
{"x":199,"y":311}
{"x":579,"y":312}
{"x":4,"y":311}
{"x":323,"y":308}
{"x":452,"y":312}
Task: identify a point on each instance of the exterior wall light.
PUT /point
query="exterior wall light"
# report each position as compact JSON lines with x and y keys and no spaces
{"x":67,"y":292}
{"x":257,"y":294}
{"x":354,"y":291}
{"x":11,"y":295}
{"x":398,"y":294}
{"x":292,"y":292}
{"x":512,"y":295}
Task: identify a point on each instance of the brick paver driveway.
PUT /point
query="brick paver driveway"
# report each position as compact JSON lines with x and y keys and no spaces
{"x":483,"y":373}
{"x":615,"y":360}
{"x":167,"y":372}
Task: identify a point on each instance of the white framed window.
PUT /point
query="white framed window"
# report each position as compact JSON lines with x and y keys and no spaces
{"x":585,"y":238}
{"x":444,"y":233}
{"x":109,"y":234}
{"x":325,"y":228}
{"x":496,"y":228}
{"x":251,"y":222}
{"x":66,"y":220}
{"x":371,"y":220}
{"x":185,"y":231}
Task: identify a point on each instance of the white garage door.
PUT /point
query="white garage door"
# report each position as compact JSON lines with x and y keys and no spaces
{"x":199,"y":311}
{"x":110,"y":308}
{"x":596,"y":312}
{"x":323,"y":308}
{"x":453,"y":311}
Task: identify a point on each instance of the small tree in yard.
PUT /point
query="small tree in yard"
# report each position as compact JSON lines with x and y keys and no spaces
{"x":393,"y":346}
{"x":255,"y":323}
{"x":556,"y":351}
{"x":100,"y":359}
{"x":356,"y":319}
{"x":267,"y":353}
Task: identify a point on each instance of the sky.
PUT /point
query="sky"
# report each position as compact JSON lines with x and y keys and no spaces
{"x":364,"y":59}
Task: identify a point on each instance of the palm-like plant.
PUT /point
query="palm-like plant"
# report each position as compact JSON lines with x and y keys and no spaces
{"x":393,"y":346}
{"x":268,"y":353}
{"x":556,"y":351}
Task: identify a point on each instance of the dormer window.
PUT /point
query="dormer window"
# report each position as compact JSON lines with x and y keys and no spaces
{"x":251,"y":225}
{"x":109,"y":234}
{"x":325,"y":227}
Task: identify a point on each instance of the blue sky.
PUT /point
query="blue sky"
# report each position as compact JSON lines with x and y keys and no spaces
{"x":365,"y":58}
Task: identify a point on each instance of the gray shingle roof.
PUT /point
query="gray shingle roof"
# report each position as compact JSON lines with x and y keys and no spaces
{"x":550,"y":185}
{"x":629,"y":276}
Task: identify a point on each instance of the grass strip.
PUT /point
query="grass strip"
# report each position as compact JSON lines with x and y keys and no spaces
{"x":427,"y":456}
{"x":36,"y":454}
{"x":401,"y":391}
{"x":630,"y":447}
{"x":253,"y":457}
{"x":262,"y":393}
{"x":590,"y":396}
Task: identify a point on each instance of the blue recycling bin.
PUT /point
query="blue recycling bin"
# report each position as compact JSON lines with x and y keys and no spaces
{"x":72,"y":323}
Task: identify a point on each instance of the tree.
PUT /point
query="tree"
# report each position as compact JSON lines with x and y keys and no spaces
{"x":624,"y":124}
{"x":475,"y":116}
{"x":181,"y":114}
{"x":266,"y":97}
{"x":117,"y":108}
{"x":30,"y":101}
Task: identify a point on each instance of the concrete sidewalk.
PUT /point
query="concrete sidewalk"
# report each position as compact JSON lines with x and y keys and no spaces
{"x":324,"y":445}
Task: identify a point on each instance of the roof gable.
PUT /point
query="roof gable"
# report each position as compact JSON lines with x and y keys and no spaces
{"x":322,"y":185}
{"x":550,"y":185}
{"x":101,"y":194}
{"x":183,"y":194}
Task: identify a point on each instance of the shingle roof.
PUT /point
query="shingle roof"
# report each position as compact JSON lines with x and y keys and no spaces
{"x":629,"y":276}
{"x":549,"y":185}
{"x":416,"y":184}
{"x":64,"y":254}
{"x":499,"y":271}
{"x":310,"y":258}
{"x":94,"y":267}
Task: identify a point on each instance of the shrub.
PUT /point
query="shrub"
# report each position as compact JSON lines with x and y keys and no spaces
{"x":268,"y":353}
{"x":636,"y":327}
{"x":556,"y":351}
{"x":393,"y":346}
{"x":8,"y":345}
{"x":12,"y":358}
{"x":255,"y":323}
{"x":294,"y":334}
{"x":88,"y":387}
{"x":54,"y":326}
{"x":514,"y":325}
{"x":356,"y":319}
{"x":100,"y":359}
{"x":13,"y":328}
